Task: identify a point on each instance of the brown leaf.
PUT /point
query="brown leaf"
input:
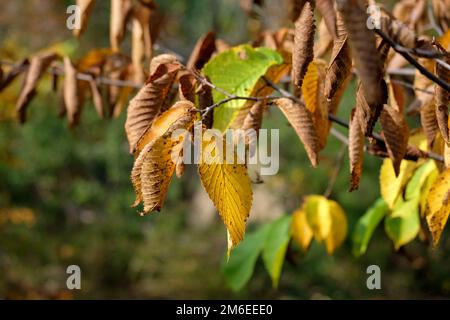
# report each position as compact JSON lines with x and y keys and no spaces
{"x":340,"y":67}
{"x":397,"y":31}
{"x":144,"y":107}
{"x":295,"y":9}
{"x":367,"y":114}
{"x":428,"y":118}
{"x":137,"y":51}
{"x":13,"y":73}
{"x":143,"y":12}
{"x":326,"y":9}
{"x":203,"y":50}
{"x":38,"y":66}
{"x":396,"y":135}
{"x":72,"y":96}
{"x":303,"y":43}
{"x":325,"y":41}
{"x":120,"y":10}
{"x":442,"y":97}
{"x":355,"y":150}
{"x":205,"y":100}
{"x":301,"y":120}
{"x":155,"y":165}
{"x":97,"y":98}
{"x":255,"y":116}
{"x":441,"y":9}
{"x":364,"y":51}
{"x":187,"y":86}
{"x":85,"y":7}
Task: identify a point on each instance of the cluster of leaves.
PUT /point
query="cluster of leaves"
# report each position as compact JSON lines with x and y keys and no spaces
{"x":318,"y":218}
{"x":230,"y":88}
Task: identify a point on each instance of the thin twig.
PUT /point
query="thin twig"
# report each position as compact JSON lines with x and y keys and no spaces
{"x":335,"y":173}
{"x":411,"y":86}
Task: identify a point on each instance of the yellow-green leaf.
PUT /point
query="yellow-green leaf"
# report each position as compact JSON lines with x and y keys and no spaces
{"x":338,"y":230}
{"x":229,"y":187}
{"x":392,"y":186}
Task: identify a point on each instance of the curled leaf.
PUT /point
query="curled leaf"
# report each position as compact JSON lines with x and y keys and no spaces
{"x":144,"y":107}
{"x":155,"y":165}
{"x":85,"y":7}
{"x":301,"y":120}
{"x":356,"y":151}
{"x":364,"y":51}
{"x":120,"y":10}
{"x":38,"y":66}
{"x":303,"y":42}
{"x":396,"y":134}
{"x":203,"y":50}
{"x":73,"y":99}
{"x":301,"y":231}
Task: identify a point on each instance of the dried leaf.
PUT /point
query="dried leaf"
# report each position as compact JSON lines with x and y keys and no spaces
{"x":38,"y":66}
{"x":428,"y":118}
{"x":340,"y":67}
{"x":442,"y":97}
{"x":13,"y":73}
{"x":205,"y":100}
{"x":303,"y":42}
{"x":441,"y":9}
{"x":301,"y":120}
{"x":120,"y":10}
{"x":364,"y":51}
{"x":229,"y":187}
{"x":72,"y":96}
{"x":326,"y":9}
{"x":85,"y":7}
{"x":203,"y":51}
{"x":325,"y":42}
{"x":155,"y":165}
{"x":367,"y":114}
{"x":396,"y":135}
{"x":144,"y":107}
{"x":187,"y":86}
{"x":97,"y":98}
{"x":397,"y":31}
{"x":143,"y":12}
{"x":137,"y":51}
{"x":355,"y":150}
{"x":295,"y":9}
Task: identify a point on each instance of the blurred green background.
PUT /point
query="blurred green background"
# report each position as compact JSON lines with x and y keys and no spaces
{"x":70,"y":192}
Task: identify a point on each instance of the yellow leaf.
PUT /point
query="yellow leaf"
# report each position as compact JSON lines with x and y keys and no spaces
{"x":438,"y":205}
{"x":301,"y":231}
{"x":444,"y":40}
{"x":318,"y":216}
{"x":338,"y":230}
{"x":392,"y":186}
{"x":229,"y":187}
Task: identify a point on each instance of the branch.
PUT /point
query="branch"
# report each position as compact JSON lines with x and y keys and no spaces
{"x":405,"y":54}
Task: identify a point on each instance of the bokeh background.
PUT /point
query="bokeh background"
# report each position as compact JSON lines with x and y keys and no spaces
{"x":65,"y":194}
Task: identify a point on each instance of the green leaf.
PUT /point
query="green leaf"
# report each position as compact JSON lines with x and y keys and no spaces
{"x":414,"y":187}
{"x":239,"y":269}
{"x":403,"y":225}
{"x":366,"y":226}
{"x":275,"y":247}
{"x":237,"y":71}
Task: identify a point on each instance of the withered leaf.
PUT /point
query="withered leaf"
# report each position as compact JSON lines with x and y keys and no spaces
{"x":397,"y":31}
{"x":442,"y":97}
{"x":187,"y":86}
{"x":97,"y":98}
{"x":364,"y":51}
{"x":340,"y":67}
{"x":303,"y":43}
{"x":144,"y":107}
{"x":326,"y":9}
{"x":155,"y":165}
{"x":143,"y":12}
{"x":72,"y":96}
{"x":13,"y":73}
{"x":441,"y":9}
{"x":120,"y":10}
{"x":396,"y":135}
{"x":203,"y":50}
{"x":137,"y":51}
{"x":295,"y":9}
{"x":355,"y":150}
{"x":85,"y":7}
{"x":38,"y":66}
{"x":428,"y":118}
{"x":205,"y":100}
{"x":301,"y":120}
